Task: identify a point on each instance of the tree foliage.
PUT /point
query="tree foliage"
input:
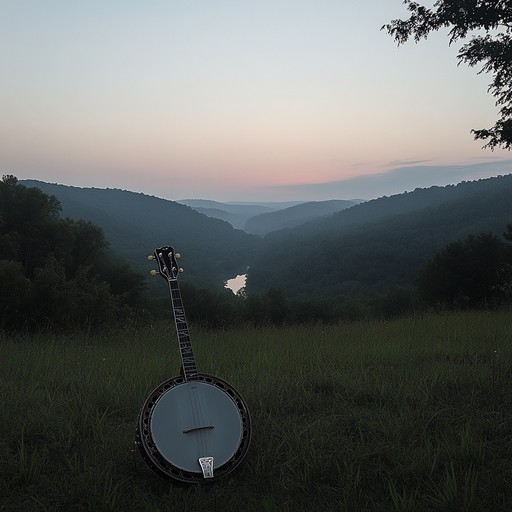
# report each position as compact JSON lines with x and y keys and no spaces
{"x":474,"y":272}
{"x":489,"y":23}
{"x":58,"y":272}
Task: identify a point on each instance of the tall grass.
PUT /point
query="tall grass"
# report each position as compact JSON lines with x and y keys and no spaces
{"x":411,"y":414}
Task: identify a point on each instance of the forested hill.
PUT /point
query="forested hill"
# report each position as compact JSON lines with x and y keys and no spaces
{"x":294,"y":215}
{"x":380,"y":243}
{"x":369,"y":246}
{"x":400,"y":204}
{"x":134,"y":224}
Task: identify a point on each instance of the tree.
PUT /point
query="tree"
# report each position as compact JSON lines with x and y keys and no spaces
{"x":59,"y":272}
{"x":27,"y":217}
{"x":468,"y":273}
{"x":508,"y":234}
{"x":15,"y":291}
{"x":491,"y":49}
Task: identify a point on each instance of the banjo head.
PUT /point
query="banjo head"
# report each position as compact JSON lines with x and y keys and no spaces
{"x":185,"y":424}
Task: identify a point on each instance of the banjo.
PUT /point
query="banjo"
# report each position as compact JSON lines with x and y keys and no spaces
{"x":192,"y":428}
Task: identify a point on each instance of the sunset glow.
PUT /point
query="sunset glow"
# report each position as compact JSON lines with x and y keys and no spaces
{"x":212,"y":99}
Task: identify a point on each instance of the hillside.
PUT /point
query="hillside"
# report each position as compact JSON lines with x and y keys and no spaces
{"x":294,"y":215}
{"x":369,"y":246}
{"x":134,"y":224}
{"x":380,"y":243}
{"x":236,"y":220}
{"x":237,"y":214}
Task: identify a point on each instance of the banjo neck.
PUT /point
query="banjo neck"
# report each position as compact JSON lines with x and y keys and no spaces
{"x":188,"y":361}
{"x":169,"y":269}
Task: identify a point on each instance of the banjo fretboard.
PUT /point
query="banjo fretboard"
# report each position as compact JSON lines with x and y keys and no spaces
{"x":187,"y":355}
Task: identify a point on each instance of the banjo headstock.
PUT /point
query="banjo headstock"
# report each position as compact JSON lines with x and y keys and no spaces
{"x":168,"y":267}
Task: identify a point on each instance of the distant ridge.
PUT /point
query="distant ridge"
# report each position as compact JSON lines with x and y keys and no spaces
{"x":236,"y":213}
{"x":249,"y":208}
{"x":295,"y":215}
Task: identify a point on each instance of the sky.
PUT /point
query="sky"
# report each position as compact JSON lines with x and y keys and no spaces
{"x":235,"y":100}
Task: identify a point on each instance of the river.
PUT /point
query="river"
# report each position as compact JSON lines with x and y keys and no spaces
{"x":236,"y":283}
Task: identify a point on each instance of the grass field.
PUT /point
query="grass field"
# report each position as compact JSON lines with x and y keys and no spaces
{"x":412,"y":414}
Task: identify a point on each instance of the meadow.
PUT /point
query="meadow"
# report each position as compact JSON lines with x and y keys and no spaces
{"x":413,"y":414}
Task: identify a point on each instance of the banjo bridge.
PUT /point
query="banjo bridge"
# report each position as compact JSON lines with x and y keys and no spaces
{"x":206,"y":466}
